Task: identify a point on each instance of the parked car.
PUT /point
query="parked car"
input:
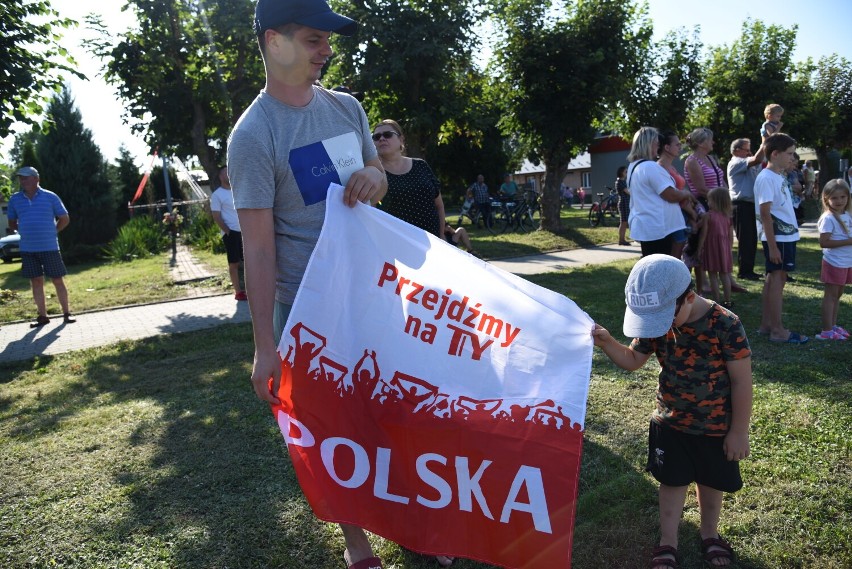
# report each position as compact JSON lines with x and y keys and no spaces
{"x":10,"y":247}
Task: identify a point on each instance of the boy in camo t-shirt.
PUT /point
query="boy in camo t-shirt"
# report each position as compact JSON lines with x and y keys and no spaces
{"x":699,"y":430}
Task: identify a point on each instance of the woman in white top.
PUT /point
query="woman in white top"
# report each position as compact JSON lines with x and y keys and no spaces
{"x":654,"y":200}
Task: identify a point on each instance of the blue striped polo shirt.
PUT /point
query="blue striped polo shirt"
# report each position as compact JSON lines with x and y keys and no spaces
{"x":37,"y":219}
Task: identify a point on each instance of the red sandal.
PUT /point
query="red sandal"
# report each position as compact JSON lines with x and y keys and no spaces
{"x":725,"y":552}
{"x":657,"y":559}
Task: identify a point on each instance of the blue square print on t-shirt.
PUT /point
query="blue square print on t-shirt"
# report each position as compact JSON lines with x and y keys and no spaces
{"x":317,"y":165}
{"x":313,"y":171}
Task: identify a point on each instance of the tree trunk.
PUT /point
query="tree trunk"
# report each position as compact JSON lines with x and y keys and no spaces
{"x":205,"y":153}
{"x":822,"y":160}
{"x":413,"y":144}
{"x":551,"y":200}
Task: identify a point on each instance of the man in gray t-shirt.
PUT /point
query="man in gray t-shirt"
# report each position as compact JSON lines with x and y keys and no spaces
{"x":742,"y":171}
{"x":295,"y":139}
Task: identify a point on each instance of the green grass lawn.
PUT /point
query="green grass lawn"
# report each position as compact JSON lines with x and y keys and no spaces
{"x":156,"y":454}
{"x":101,"y":284}
{"x":576,"y":233}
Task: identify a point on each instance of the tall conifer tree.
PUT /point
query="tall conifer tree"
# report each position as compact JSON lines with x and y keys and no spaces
{"x":74,"y":168}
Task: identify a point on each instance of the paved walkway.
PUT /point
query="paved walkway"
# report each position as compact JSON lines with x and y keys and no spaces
{"x":129,"y":323}
{"x":185,"y":268}
{"x":109,"y":326}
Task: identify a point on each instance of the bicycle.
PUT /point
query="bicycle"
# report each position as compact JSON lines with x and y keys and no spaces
{"x":602,"y":207}
{"x":497,"y":223}
{"x":526,"y":215}
{"x":520,"y":214}
{"x":501,"y":215}
{"x":468,"y":210}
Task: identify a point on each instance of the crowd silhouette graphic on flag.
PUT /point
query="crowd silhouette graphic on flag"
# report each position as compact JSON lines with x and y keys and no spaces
{"x":305,"y":357}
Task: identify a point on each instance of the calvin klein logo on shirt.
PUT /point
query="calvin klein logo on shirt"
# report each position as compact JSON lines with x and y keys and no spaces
{"x":333,"y":166}
{"x":329,"y":161}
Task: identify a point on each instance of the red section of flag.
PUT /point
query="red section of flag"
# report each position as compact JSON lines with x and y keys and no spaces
{"x":438,"y":473}
{"x":141,"y":187}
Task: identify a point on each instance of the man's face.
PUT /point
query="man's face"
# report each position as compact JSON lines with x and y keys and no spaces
{"x":745,"y":150}
{"x":299,"y":58}
{"x":28,"y":183}
{"x":786,"y":159}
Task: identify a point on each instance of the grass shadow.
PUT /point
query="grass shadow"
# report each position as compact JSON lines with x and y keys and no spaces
{"x":578,"y":237}
{"x":203,"y":470}
{"x":35,"y":342}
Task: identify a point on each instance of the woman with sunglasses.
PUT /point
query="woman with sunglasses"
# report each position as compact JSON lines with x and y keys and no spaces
{"x":414,"y":195}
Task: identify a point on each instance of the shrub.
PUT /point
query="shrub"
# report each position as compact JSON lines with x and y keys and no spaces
{"x":139,"y":237}
{"x":202,"y":232}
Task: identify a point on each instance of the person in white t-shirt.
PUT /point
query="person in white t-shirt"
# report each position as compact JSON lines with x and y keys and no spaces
{"x":778,"y":232}
{"x":655,"y":215}
{"x":225,"y":216}
{"x":835,"y":238}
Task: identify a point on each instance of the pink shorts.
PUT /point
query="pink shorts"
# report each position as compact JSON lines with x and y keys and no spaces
{"x":835,"y":275}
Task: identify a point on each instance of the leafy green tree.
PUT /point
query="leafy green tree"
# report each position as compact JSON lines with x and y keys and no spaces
{"x":826,"y":118}
{"x":125,"y":178}
{"x":561,"y":73}
{"x":23,"y":152}
{"x":74,"y":168}
{"x":411,"y":58}
{"x":157,"y":183}
{"x":32,"y":60}
{"x":8,"y":183}
{"x":742,"y":79}
{"x":187,"y":72}
{"x":472,"y":143}
{"x":666,"y":81}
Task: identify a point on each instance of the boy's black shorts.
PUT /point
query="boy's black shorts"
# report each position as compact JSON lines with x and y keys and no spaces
{"x":678,"y":459}
{"x":233,"y":246}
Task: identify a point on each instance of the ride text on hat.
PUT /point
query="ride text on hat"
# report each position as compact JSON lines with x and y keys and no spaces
{"x":651,"y":292}
{"x":315,"y":14}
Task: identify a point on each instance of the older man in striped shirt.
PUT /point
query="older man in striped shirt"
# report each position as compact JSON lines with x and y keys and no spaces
{"x":39,"y":215}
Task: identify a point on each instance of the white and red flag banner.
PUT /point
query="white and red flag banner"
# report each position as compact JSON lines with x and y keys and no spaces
{"x":432,"y":398}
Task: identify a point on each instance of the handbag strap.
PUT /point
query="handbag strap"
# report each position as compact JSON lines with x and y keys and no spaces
{"x":630,"y":177}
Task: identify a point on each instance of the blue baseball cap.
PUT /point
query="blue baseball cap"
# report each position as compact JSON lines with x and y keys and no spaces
{"x":27,"y":171}
{"x":315,"y":14}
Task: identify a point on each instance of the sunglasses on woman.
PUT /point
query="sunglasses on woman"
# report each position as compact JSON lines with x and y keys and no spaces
{"x":386,"y":134}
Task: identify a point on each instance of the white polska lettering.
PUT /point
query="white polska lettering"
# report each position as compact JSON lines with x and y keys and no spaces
{"x":468,"y":485}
